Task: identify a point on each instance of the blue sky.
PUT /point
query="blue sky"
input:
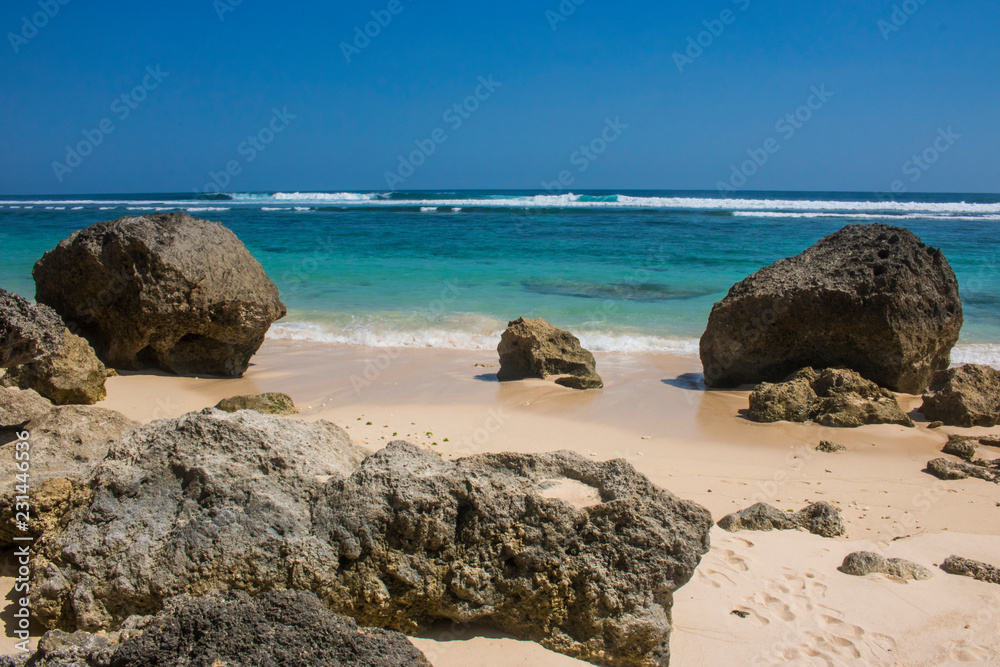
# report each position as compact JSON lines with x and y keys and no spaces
{"x":893,"y":95}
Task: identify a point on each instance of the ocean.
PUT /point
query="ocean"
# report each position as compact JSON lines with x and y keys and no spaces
{"x":625,"y":271}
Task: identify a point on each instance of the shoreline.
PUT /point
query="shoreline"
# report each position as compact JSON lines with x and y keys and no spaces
{"x":694,"y":443}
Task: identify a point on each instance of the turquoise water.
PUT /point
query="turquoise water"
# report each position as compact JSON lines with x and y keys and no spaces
{"x":628,"y":271}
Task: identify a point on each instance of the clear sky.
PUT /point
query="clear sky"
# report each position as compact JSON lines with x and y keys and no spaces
{"x":223,"y":69}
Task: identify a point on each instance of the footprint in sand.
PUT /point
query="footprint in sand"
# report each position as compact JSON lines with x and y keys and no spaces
{"x":965,"y":651}
{"x":722,"y":568}
{"x":817,"y":634}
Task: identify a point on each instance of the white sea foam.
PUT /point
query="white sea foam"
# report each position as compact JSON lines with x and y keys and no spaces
{"x":743,"y":205}
{"x":746,"y":206}
{"x":976,"y":353}
{"x":303,"y":208}
{"x":863,"y":216}
{"x":428,"y":209}
{"x":272,"y":208}
{"x":309,"y":196}
{"x":369,"y":335}
{"x":486,"y":338}
{"x":201,"y":209}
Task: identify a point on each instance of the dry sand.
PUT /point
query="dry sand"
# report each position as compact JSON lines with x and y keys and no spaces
{"x":653,"y":412}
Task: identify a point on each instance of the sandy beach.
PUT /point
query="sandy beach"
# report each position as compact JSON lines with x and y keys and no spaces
{"x":796,"y":607}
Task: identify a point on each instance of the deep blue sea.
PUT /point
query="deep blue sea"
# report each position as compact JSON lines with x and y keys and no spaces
{"x":626,"y":271}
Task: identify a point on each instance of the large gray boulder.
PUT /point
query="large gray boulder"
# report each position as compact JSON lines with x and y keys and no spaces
{"x":27,"y":331}
{"x":402,"y":539}
{"x":41,"y":354}
{"x":164,"y":290}
{"x":536,"y":349}
{"x":286,"y":628}
{"x":210,"y":501}
{"x":18,"y":407}
{"x":872,"y":298}
{"x":72,"y":375}
{"x":831,"y":397}
{"x":66,"y":444}
{"x":965,"y":396}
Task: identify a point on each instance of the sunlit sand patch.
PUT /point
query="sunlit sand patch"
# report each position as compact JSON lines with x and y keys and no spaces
{"x":575,"y":493}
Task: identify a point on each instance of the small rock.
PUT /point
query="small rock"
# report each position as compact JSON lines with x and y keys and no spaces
{"x":741,"y":614}
{"x":268,"y":404}
{"x":820,"y":518}
{"x":536,"y":349}
{"x":861,"y":563}
{"x":935,"y":425}
{"x":830,"y":447}
{"x":963,"y":449}
{"x":965,"y":396}
{"x":831,"y":397}
{"x":972,"y":568}
{"x":949,"y":470}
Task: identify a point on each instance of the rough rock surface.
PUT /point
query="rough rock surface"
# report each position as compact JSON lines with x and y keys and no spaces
{"x":288,"y":628}
{"x":832,"y":397}
{"x":62,"y":649}
{"x":536,"y":349}
{"x":820,"y":518}
{"x":268,"y":404}
{"x":828,"y":447}
{"x":71,"y":375}
{"x":965,"y":396}
{"x":217,"y":501}
{"x":163,"y":290}
{"x":27,"y":331}
{"x":962,"y":447}
{"x":280,"y":628}
{"x":18,"y":407}
{"x":945,"y":469}
{"x":861,"y":563}
{"x":872,"y":298}
{"x":66,"y":444}
{"x":971,"y":568}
